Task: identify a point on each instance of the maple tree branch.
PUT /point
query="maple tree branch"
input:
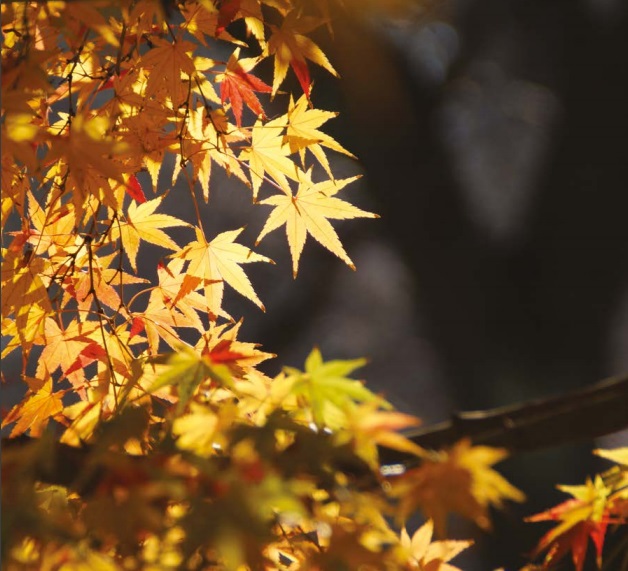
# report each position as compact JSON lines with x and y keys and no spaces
{"x":594,"y":411}
{"x":584,"y":414}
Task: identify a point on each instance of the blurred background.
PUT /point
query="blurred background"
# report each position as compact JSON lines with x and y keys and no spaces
{"x":493,"y":136}
{"x":493,"y":140}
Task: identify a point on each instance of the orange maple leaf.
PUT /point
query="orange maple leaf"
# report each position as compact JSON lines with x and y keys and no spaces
{"x":461,"y":481}
{"x":166,"y":62}
{"x":62,"y":348}
{"x":36,"y":410}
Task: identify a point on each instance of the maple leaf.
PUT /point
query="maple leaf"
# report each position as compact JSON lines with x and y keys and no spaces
{"x":97,"y":281}
{"x":142,"y":223}
{"x":205,"y":19}
{"x":292,"y":48}
{"x":24,"y":294}
{"x":371,"y":427}
{"x":63,"y":346}
{"x":211,"y":142}
{"x":227,"y":13}
{"x":309,"y":212}
{"x":617,"y":455}
{"x":197,"y":431}
{"x":237,"y":86}
{"x":166,"y":62}
{"x":326,"y":389}
{"x":172,"y":303}
{"x":583,"y":517}
{"x":134,"y":189}
{"x":302,"y":132}
{"x":186,"y":369}
{"x":36,"y":410}
{"x":489,"y":487}
{"x":171,"y":294}
{"x":347,"y":549}
{"x":425,"y":554}
{"x":160,"y":323}
{"x":459,"y":481}
{"x":218,"y":261}
{"x":267,"y":154}
{"x":83,"y":153}
{"x":221,"y":346}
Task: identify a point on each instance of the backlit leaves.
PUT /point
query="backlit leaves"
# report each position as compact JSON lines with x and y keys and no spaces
{"x":152,"y":452}
{"x":308,"y":212}
{"x":327,"y":389}
{"x":211,"y":264}
{"x":238,"y":86}
{"x":594,"y":506}
{"x":461,"y":481}
{"x":143,"y":223}
{"x":427,"y":554}
{"x":289,"y":46}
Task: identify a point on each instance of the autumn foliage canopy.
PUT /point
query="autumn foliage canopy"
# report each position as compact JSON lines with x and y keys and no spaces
{"x":135,"y":449}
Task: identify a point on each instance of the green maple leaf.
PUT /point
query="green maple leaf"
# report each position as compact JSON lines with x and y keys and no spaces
{"x":327,"y":389}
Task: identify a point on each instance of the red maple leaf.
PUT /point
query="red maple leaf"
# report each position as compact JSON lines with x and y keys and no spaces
{"x":238,"y":86}
{"x":583,"y":517}
{"x":222,"y":353}
{"x":134,"y":189}
{"x":226,"y":14}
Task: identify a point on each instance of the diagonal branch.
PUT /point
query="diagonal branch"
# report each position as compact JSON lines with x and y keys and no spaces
{"x":588,"y":413}
{"x":585,"y":414}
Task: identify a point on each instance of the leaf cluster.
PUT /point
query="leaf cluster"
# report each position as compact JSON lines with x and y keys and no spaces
{"x":133,"y":449}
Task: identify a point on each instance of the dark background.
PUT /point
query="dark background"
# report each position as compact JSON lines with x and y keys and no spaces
{"x":494,"y":139}
{"x":493,"y":136}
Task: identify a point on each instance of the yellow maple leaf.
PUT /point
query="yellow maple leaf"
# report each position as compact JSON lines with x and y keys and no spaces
{"x":488,"y":486}
{"x":209,"y":144}
{"x":617,"y":455}
{"x":141,"y":223}
{"x":197,"y":431}
{"x":292,"y":48}
{"x":24,"y":295}
{"x":218,"y":261}
{"x":422,"y":553}
{"x":371,"y":427}
{"x":302,"y":132}
{"x":309,"y":212}
{"x":268,"y":155}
